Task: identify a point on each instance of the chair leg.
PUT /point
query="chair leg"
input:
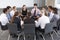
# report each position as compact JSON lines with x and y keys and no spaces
{"x":42,"y":36}
{"x":24,"y":37}
{"x":19,"y":35}
{"x":9,"y":37}
{"x":56,"y":33}
{"x":34,"y":37}
{"x":52,"y":36}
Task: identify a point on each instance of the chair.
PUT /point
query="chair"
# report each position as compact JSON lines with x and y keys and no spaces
{"x":3,"y":27}
{"x":0,"y":24}
{"x":13,"y":30}
{"x":48,"y":30}
{"x":55,"y":27}
{"x":29,"y":31}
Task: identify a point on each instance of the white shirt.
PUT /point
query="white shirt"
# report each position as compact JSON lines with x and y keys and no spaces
{"x":42,"y":21}
{"x":37,"y":11}
{"x":51,"y":15}
{"x":3,"y":19}
{"x":12,"y":13}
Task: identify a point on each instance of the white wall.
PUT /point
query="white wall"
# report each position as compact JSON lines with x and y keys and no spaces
{"x":57,"y":4}
{"x":18,"y":3}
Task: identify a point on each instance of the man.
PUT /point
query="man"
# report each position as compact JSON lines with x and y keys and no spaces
{"x":4,"y":19}
{"x":35,"y":11}
{"x":13,"y":11}
{"x":8,"y":15}
{"x":42,"y":21}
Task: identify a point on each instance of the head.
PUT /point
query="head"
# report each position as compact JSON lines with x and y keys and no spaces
{"x":35,"y":5}
{"x":50,"y":8}
{"x":9,"y":8}
{"x":15,"y":15}
{"x":14,"y":8}
{"x":24,"y":7}
{"x":55,"y":10}
{"x":44,"y":9}
{"x":5,"y":10}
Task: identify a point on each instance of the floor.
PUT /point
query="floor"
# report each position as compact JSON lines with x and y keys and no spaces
{"x":4,"y":35}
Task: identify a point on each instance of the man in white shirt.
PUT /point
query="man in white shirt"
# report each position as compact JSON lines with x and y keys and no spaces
{"x":42,"y":21}
{"x":13,"y":11}
{"x":35,"y":11}
{"x":4,"y":19}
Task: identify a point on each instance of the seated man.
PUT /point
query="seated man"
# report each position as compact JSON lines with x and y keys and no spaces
{"x":35,"y":11}
{"x":4,"y":19}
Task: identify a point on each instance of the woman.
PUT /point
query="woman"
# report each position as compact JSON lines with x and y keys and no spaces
{"x":16,"y":19}
{"x":43,"y":20}
{"x":55,"y":16}
{"x":24,"y":11}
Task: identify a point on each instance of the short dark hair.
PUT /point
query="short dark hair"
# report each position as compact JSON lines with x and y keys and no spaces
{"x":35,"y":4}
{"x":50,"y":7}
{"x":4,"y":10}
{"x":8,"y":7}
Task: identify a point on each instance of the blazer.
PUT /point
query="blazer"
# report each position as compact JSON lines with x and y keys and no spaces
{"x":29,"y":21}
{"x":17,"y":21}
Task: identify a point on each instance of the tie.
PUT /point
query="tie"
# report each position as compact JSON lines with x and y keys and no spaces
{"x":9,"y":16}
{"x":48,"y":14}
{"x":35,"y":13}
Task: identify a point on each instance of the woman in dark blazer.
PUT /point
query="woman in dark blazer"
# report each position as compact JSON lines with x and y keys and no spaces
{"x":16,"y":19}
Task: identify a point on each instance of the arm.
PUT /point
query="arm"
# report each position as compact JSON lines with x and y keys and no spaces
{"x":37,"y":23}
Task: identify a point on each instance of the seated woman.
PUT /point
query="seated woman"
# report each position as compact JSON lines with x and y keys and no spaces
{"x":42,"y":21}
{"x":28,"y":19}
{"x":24,"y":11}
{"x":55,"y":16}
{"x":16,"y":19}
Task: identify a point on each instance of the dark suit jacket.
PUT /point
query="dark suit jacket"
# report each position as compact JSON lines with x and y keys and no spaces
{"x":17,"y":21}
{"x":29,"y":21}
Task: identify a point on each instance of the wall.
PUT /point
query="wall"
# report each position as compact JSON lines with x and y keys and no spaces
{"x":40,"y":2}
{"x":50,"y":2}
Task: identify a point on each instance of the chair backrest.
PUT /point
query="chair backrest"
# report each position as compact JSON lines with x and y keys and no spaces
{"x":29,"y":28}
{"x":49,"y":28}
{"x":58,"y":24}
{"x":54,"y":23}
{"x":12,"y":28}
{"x":0,"y":23}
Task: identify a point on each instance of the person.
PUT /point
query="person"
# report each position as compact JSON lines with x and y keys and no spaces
{"x":13,"y":11}
{"x":16,"y":19}
{"x":24,"y":11}
{"x":8,"y":15}
{"x":28,"y":19}
{"x":50,"y":12}
{"x":4,"y":19}
{"x":55,"y":16}
{"x":42,"y":21}
{"x":35,"y":11}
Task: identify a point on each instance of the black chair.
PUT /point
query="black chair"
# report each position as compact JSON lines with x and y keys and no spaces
{"x":29,"y":31}
{"x":13,"y":30}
